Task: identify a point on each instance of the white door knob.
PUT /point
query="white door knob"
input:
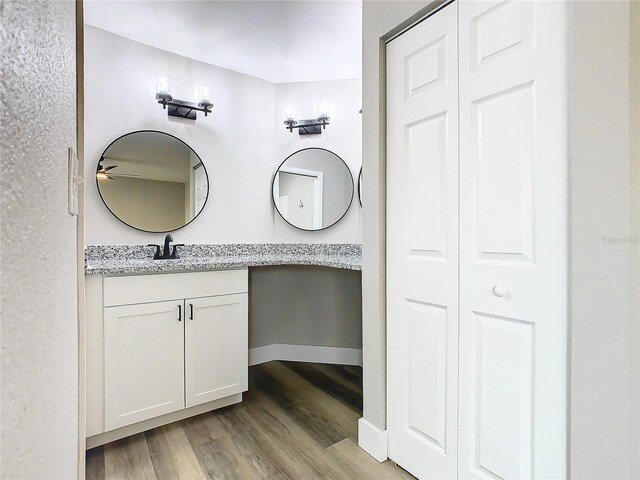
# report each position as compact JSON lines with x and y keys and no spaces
{"x":500,"y":291}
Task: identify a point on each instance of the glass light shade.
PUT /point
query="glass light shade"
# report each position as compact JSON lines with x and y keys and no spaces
{"x":162,"y":85}
{"x":204,"y":94}
{"x":289,"y":113}
{"x":323,"y":109}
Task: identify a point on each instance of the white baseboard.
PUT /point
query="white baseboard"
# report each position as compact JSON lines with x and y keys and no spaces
{"x":372,"y":440}
{"x":305,"y":353}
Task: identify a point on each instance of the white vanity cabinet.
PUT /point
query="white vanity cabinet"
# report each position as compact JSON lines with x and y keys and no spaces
{"x":162,"y":347}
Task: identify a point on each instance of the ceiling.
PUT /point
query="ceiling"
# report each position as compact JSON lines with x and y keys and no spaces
{"x":152,"y":155}
{"x":279,"y":41}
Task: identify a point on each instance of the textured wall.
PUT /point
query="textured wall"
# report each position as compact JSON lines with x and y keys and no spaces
{"x":39,"y":400}
{"x":634,"y":180}
{"x":237,"y":143}
{"x":302,"y":305}
{"x":600,"y":243}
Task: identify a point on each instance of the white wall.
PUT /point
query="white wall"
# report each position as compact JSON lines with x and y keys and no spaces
{"x":601,"y":409}
{"x":241,"y":144}
{"x":634,"y":179}
{"x":129,"y":197}
{"x":39,"y":399}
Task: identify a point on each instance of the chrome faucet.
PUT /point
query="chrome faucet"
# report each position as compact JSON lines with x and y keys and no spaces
{"x":165,"y":251}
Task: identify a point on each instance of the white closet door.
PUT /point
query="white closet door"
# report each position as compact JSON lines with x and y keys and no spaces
{"x":513,"y":237}
{"x":422,"y":246}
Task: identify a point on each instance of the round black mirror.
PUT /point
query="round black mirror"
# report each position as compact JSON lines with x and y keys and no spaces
{"x":312,"y":189}
{"x":360,"y":186}
{"x":152,"y":181}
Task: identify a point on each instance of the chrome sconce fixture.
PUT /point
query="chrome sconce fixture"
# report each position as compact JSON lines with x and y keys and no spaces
{"x":183,"y":108}
{"x":308,"y":127}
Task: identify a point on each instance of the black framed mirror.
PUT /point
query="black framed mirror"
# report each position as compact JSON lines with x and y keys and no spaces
{"x":312,"y":189}
{"x":360,"y":186}
{"x":152,"y":181}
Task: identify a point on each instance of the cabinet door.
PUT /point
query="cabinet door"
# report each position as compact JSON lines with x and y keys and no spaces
{"x":216,"y":342}
{"x":144,"y":362}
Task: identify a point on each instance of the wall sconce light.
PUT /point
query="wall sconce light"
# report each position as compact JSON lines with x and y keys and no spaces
{"x":308,"y":127}
{"x":182,"y":108}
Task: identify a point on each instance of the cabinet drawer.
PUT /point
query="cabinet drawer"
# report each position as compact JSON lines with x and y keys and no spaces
{"x":128,"y":290}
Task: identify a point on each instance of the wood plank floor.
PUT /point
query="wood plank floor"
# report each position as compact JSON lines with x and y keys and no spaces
{"x":298,"y":421}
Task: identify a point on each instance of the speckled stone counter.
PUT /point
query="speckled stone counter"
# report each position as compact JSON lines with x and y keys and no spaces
{"x":137,"y":259}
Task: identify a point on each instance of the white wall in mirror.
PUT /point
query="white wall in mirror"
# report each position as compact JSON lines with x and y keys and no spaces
{"x":241,"y":144}
{"x":313,"y":189}
{"x":305,"y":186}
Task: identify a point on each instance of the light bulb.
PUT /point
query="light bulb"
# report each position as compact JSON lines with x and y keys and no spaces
{"x":323,"y":109}
{"x":204,"y":94}
{"x":289,"y":113}
{"x":162,"y":85}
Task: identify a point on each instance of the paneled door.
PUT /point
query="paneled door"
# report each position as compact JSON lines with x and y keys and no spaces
{"x":513,"y":238}
{"x":143,"y":362}
{"x":216,"y":339}
{"x":422,"y":246}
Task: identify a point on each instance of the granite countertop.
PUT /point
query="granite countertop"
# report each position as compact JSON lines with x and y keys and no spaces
{"x":131,"y":260}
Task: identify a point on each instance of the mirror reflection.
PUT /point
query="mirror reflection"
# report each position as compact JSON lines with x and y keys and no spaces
{"x":152,"y":181}
{"x":313,"y":189}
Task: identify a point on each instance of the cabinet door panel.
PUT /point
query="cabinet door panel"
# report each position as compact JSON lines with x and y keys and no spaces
{"x":144,"y":362}
{"x":216,"y":347}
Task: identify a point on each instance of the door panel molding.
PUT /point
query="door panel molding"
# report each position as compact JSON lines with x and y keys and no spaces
{"x":422,"y":237}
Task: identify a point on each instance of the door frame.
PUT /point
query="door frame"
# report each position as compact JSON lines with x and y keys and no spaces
{"x":318,"y":185}
{"x":388,"y":21}
{"x":82,"y":411}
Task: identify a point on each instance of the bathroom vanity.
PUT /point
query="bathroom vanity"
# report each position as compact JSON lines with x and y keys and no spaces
{"x":168,"y":335}
{"x":168,"y":339}
{"x":161,"y":344}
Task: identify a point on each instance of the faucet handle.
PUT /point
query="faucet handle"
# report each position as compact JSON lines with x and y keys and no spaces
{"x":157,"y":254}
{"x":174,"y":252}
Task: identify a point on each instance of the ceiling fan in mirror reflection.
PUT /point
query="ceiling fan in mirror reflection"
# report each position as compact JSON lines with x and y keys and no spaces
{"x":183,"y":108}
{"x":107,"y":173}
{"x":152,"y":181}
